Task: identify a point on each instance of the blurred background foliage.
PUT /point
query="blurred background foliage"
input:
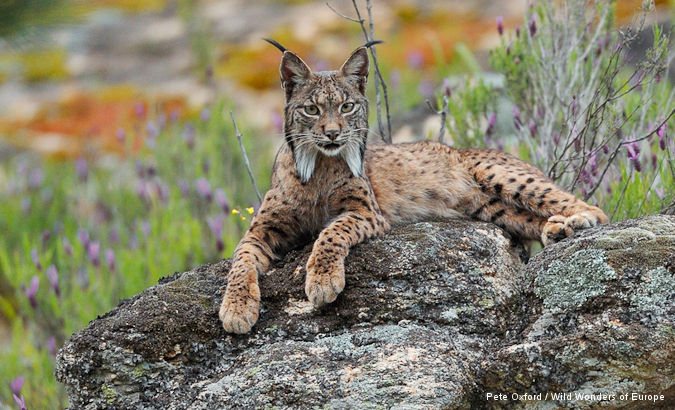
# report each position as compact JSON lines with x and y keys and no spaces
{"x":119,"y":163}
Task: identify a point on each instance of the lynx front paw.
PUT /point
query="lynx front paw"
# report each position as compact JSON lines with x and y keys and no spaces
{"x":324,"y":281}
{"x":559,"y":227}
{"x":555,"y":230}
{"x":239,"y":310}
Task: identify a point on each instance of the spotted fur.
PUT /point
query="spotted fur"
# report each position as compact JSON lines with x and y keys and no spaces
{"x":326,"y":185}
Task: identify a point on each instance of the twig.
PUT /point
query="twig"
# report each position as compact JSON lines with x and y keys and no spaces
{"x":369,"y":34}
{"x":444,"y":115}
{"x":243,"y":153}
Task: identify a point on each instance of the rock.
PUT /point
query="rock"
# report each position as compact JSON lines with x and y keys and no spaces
{"x":434,"y":315}
{"x":603,"y":305}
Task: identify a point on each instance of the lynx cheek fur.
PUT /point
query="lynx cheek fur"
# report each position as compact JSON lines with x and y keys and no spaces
{"x":326,"y":183}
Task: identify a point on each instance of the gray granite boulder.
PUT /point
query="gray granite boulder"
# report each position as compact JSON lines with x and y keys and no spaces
{"x":434,"y":315}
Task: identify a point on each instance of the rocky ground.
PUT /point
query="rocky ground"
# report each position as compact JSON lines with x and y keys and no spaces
{"x":434,"y":315}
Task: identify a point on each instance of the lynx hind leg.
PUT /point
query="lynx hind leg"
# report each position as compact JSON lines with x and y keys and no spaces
{"x":522,"y":185}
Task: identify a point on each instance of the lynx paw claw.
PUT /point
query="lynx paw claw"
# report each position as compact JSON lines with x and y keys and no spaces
{"x":323,"y":284}
{"x":239,"y":312}
{"x":560,"y":227}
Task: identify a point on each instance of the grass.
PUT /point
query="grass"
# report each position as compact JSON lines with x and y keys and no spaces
{"x":135,"y":209}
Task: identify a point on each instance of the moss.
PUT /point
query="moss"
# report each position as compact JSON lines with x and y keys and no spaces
{"x":654,"y":292}
{"x":568,"y":284}
{"x":139,"y":370}
{"x":108,"y":393}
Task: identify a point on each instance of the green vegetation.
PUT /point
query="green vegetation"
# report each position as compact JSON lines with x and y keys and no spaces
{"x":94,"y":232}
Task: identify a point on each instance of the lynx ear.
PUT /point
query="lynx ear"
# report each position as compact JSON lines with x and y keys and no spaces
{"x":293,"y":72}
{"x":355,"y":69}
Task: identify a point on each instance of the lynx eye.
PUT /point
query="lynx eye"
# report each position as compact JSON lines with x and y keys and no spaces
{"x":311,"y":110}
{"x":347,"y":107}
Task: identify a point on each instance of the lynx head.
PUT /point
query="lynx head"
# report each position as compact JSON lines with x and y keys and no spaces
{"x":326,"y":112}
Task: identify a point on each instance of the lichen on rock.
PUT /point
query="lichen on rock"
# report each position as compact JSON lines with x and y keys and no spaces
{"x":568,"y":283}
{"x":434,"y":315}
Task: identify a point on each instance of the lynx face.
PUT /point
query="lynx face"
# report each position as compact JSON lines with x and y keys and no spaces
{"x":326,"y":112}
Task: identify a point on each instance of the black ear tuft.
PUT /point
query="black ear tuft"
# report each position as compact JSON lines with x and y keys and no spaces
{"x":275,"y":44}
{"x":355,"y":69}
{"x":370,"y":43}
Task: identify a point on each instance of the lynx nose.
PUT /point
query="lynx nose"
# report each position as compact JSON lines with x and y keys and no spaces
{"x":332,"y":134}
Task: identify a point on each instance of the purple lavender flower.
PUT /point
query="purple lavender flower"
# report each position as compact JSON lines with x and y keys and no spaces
{"x":110,"y":258}
{"x":189,"y":135}
{"x":83,"y":237}
{"x":500,"y":25}
{"x":46,"y":234}
{"x":53,"y":278}
{"x":518,"y":31}
{"x":16,"y":384}
{"x":556,"y":137}
{"x":81,"y":169}
{"x":593,"y":164}
{"x":426,"y":89}
{"x":661,"y":132}
{"x":121,"y":135}
{"x":32,"y":290}
{"x":36,"y":178}
{"x":142,"y":190}
{"x":491,"y":125}
{"x":605,"y":149}
{"x":508,"y":48}
{"x":133,"y":242}
{"x":94,"y":251}
{"x":655,"y":162}
{"x":184,"y":187}
{"x":145,"y":228}
{"x":67,"y":247}
{"x":139,"y":110}
{"x":205,"y":115}
{"x":51,"y":345}
{"x":516,"y":117}
{"x":446,"y":87}
{"x":532,"y":26}
{"x":20,"y":400}
{"x":221,"y":200}
{"x":415,"y":59}
{"x":277,"y":121}
{"x":152,"y":131}
{"x":151,"y":170}
{"x":203,"y":187}
{"x":574,"y":105}
{"x":533,"y":128}
{"x":577,"y":143}
{"x":114,"y":235}
{"x":162,"y":190}
{"x":216,"y":225}
{"x":174,"y":115}
{"x":140,"y":169}
{"x":161,"y":120}
{"x":35,"y":258}
{"x":634,"y":155}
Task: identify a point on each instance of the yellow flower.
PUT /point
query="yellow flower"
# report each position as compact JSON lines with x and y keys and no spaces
{"x":235,"y":211}
{"x":250,"y":210}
